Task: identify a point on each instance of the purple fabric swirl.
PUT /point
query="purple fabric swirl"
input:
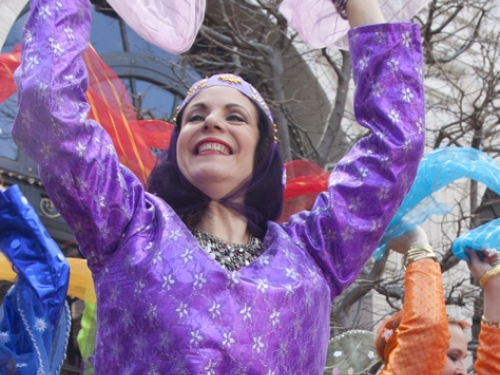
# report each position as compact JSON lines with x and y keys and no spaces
{"x":164,"y":305}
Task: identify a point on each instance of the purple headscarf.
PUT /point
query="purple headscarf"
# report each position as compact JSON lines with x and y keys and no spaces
{"x":263,"y":190}
{"x":227,"y":80}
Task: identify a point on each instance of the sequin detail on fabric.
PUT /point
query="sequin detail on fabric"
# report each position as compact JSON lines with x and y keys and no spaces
{"x":229,"y":255}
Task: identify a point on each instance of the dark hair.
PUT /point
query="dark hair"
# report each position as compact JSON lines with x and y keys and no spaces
{"x":393,"y":323}
{"x":264,"y":190}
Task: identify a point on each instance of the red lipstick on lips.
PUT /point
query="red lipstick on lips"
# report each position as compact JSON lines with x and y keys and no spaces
{"x":212,"y":152}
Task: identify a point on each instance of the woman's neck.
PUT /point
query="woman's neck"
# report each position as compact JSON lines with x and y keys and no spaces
{"x":224,"y":223}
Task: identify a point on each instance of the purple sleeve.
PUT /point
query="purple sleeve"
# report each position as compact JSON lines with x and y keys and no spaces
{"x":77,"y":161}
{"x":367,"y":186}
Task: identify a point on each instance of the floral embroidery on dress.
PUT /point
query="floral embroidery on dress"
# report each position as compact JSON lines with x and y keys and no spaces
{"x":33,"y":61}
{"x":228,"y":340}
{"x":168,"y":282}
{"x":383,"y":194}
{"x":420,"y":126}
{"x":406,"y":41}
{"x":4,"y":337}
{"x":199,"y":280}
{"x":182,"y":309}
{"x":187,"y":255}
{"x":377,"y":89}
{"x":363,"y":63}
{"x":195,"y":338}
{"x":394,"y":116}
{"x":69,"y":33}
{"x":275,"y":318}
{"x":407,"y":95}
{"x":393,"y":65}
{"x":258,"y":345}
{"x":44,"y":12}
{"x":246,"y":312}
{"x":40,"y":325}
{"x":215,"y":310}
{"x":262,"y":285}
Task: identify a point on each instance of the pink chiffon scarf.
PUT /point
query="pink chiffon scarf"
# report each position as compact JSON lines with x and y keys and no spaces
{"x":319,"y":24}
{"x":169,"y":24}
{"x":173,"y":24}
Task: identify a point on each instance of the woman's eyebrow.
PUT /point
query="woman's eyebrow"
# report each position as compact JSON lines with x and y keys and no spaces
{"x":232,"y":105}
{"x":198,"y":105}
{"x":229,"y":105}
{"x":202,"y":105}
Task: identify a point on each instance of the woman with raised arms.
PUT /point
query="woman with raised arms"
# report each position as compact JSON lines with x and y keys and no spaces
{"x":192,"y":273}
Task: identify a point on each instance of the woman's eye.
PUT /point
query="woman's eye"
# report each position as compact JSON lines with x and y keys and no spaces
{"x":452,"y":357}
{"x":194,"y":118}
{"x":236,"y":118}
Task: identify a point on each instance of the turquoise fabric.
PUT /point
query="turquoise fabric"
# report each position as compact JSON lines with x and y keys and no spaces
{"x":438,"y":169}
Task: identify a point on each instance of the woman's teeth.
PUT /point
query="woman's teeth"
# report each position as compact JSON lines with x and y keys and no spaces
{"x":213,"y":147}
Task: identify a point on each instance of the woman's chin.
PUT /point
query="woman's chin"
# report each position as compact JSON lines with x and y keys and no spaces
{"x":215,"y":192}
{"x":215,"y":183}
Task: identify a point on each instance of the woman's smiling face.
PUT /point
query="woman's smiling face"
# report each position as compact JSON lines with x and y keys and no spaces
{"x":217,"y":141}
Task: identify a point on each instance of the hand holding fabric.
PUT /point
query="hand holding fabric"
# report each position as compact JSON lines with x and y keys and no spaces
{"x":488,"y":353}
{"x":478,"y":267}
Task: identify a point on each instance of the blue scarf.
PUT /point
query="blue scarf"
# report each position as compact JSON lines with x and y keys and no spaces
{"x":34,"y":318}
{"x":438,"y":169}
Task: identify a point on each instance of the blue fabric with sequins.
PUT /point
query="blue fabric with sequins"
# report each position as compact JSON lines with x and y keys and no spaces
{"x":34,"y":317}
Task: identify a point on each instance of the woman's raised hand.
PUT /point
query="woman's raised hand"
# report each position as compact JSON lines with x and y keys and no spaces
{"x":406,"y":241}
{"x":363,"y":12}
{"x":478,"y":267}
{"x":485,"y":271}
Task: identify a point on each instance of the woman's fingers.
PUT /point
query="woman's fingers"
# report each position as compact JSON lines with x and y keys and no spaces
{"x":491,"y":257}
{"x":479,"y":267}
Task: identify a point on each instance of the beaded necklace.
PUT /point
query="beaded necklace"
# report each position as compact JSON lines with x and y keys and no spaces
{"x":229,"y":255}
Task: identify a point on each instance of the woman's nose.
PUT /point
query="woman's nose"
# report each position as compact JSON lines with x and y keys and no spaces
{"x":213,"y":121}
{"x":460,"y":370}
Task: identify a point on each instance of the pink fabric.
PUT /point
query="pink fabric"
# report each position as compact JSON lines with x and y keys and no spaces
{"x":169,"y":24}
{"x":319,"y":24}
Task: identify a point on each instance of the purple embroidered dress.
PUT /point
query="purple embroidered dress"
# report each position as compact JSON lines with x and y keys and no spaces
{"x":164,"y":305}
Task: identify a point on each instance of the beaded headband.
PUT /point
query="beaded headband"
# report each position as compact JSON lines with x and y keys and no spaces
{"x":233,"y":81}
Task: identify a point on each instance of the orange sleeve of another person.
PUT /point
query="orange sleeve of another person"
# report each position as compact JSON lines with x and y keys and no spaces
{"x":423,"y":336}
{"x":488,"y":353}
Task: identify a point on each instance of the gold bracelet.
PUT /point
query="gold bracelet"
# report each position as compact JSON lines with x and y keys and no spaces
{"x":423,"y":256}
{"x":487,"y":275}
{"x":488,"y":323}
{"x":421,"y":245}
{"x":418,"y":251}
